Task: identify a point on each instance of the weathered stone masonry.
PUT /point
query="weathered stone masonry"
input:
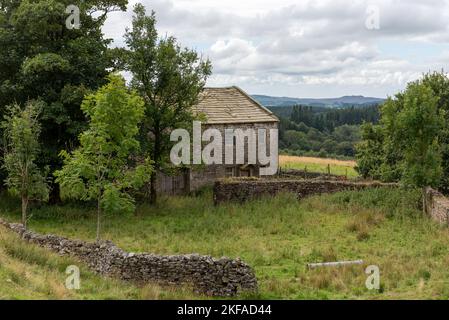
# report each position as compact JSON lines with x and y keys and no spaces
{"x":436,"y":205}
{"x":243,"y":190}
{"x":207,"y":275}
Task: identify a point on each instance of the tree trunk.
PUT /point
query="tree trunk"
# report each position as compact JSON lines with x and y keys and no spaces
{"x":98,"y":219}
{"x":24,"y":210}
{"x":156,"y":159}
{"x":424,"y":201}
{"x":54,"y":197}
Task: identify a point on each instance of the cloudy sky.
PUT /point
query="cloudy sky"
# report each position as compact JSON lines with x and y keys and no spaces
{"x":301,"y":48}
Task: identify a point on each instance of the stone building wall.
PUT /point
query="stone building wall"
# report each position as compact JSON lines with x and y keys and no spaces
{"x":207,"y":275}
{"x":207,"y":175}
{"x":243,"y":126}
{"x":203,"y":176}
{"x":436,"y":205}
{"x":243,"y":190}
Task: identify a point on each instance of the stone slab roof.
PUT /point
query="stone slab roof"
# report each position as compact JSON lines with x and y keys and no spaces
{"x":231,"y":105}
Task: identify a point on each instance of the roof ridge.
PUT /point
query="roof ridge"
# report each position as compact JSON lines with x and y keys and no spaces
{"x":228,"y":87}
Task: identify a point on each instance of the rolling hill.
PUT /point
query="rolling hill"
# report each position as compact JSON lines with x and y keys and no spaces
{"x":270,"y":101}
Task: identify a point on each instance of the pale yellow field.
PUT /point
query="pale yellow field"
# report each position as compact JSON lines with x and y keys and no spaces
{"x":292,"y":159}
{"x":311,"y":164}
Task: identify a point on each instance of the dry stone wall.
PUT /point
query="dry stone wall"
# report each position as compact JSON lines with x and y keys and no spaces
{"x":302,"y":174}
{"x":207,"y":275}
{"x":246,"y":189}
{"x":436,"y":205}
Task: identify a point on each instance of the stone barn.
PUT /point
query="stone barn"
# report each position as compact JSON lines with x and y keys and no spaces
{"x":223,"y":108}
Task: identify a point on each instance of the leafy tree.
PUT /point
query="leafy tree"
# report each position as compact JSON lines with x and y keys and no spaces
{"x":101,"y":168}
{"x":370,"y":151}
{"x":345,"y":148}
{"x":169,"y":78}
{"x":439,"y":83}
{"x":42,"y":60}
{"x":21,"y":150}
{"x":410,"y":140}
{"x":346,"y":133}
{"x":418,"y":126}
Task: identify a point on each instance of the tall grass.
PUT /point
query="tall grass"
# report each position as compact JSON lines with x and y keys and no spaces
{"x":30,"y":272}
{"x":279,"y":236}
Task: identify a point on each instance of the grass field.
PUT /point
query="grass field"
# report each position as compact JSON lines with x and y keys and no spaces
{"x":278,"y":237}
{"x":30,"y":272}
{"x":337,"y":167}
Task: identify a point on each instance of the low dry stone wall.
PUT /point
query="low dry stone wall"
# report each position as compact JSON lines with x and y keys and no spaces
{"x":436,"y":205}
{"x":243,"y":190}
{"x":207,"y":275}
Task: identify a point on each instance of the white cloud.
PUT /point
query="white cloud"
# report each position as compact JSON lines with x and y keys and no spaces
{"x":286,"y":47}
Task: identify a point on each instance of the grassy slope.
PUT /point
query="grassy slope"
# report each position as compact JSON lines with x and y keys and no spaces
{"x":30,"y":272}
{"x":337,"y":167}
{"x":280,"y":236}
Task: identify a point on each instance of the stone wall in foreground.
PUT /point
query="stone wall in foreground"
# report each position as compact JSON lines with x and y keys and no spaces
{"x":207,"y":275}
{"x":436,"y":205}
{"x":243,"y":190}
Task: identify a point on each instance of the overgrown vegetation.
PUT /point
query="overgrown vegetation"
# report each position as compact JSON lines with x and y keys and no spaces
{"x":30,"y":272}
{"x":107,"y":136}
{"x":42,"y":60}
{"x":279,"y":236}
{"x":411,"y":142}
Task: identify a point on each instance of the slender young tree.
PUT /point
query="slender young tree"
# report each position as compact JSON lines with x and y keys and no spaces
{"x":102,"y":168}
{"x":168,"y":78}
{"x":21,"y":150}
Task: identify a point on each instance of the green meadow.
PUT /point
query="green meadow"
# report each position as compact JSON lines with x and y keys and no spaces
{"x":277,"y":236}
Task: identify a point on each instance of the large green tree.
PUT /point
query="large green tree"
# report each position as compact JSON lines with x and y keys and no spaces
{"x":169,"y":78}
{"x":411,"y":141}
{"x":41,"y":59}
{"x":438,"y":82}
{"x":102,"y":168}
{"x":418,"y":125}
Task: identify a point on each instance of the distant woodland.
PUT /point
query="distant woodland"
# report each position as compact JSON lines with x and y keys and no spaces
{"x":323,"y":131}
